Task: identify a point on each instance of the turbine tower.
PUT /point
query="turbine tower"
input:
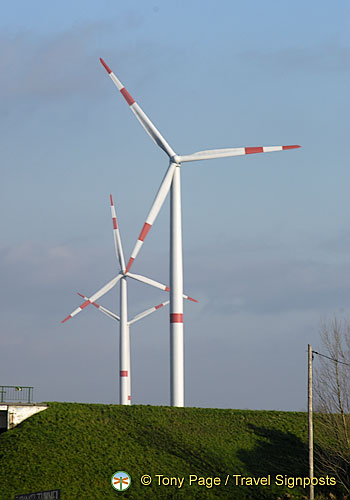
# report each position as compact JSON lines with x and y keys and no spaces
{"x":124,"y":338}
{"x":136,"y":318}
{"x":172,"y":179}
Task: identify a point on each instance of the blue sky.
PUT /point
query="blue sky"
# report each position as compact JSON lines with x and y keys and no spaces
{"x":266,"y":238}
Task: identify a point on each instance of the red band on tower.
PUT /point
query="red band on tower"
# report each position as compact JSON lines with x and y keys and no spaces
{"x":176,"y":318}
{"x":123,"y":373}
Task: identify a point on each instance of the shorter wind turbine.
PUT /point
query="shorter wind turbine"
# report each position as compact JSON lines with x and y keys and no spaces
{"x":124,"y":339}
{"x":139,"y":316}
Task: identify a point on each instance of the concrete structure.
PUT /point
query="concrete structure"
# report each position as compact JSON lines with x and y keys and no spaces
{"x":12,"y":414}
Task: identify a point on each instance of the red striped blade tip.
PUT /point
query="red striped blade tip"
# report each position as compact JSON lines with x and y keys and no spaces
{"x":131,"y":260}
{"x":251,"y":150}
{"x":291,"y":147}
{"x":129,"y":99}
{"x":66,"y":319}
{"x":111,"y":198}
{"x":193,"y":300}
{"x":93,"y":303}
{"x":144,"y":231}
{"x":107,"y":68}
{"x":86,"y":303}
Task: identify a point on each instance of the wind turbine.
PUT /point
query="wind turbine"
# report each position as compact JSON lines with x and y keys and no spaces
{"x":124,"y":338}
{"x":172,"y":179}
{"x":139,"y":316}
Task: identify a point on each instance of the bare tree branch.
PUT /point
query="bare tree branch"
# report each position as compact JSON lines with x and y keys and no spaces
{"x":332,"y":395}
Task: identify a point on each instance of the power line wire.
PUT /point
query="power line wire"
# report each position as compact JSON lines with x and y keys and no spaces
{"x":332,"y":359}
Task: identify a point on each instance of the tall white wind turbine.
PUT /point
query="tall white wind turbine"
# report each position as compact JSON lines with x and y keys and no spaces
{"x":124,"y":338}
{"x":172,"y":179}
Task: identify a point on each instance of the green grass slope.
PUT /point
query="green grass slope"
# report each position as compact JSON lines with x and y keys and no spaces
{"x":78,"y":447}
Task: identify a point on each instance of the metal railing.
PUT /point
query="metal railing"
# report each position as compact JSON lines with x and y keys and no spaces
{"x":20,"y":393}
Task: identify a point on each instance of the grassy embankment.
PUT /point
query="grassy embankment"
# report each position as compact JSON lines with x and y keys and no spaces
{"x":77,"y":448}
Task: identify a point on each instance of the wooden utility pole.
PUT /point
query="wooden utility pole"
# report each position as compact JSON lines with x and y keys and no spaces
{"x":311,"y":437}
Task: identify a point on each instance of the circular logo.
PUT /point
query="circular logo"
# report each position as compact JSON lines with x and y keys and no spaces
{"x":121,"y":480}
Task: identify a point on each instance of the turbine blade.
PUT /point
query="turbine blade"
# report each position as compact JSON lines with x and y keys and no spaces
{"x":189,"y":298}
{"x":117,"y":240}
{"x":148,"y":312}
{"x":102,"y":309}
{"x":149,"y":281}
{"x":156,"y":206}
{"x":94,"y":297}
{"x":223,"y":153}
{"x":151,"y":130}
{"x":154,"y":283}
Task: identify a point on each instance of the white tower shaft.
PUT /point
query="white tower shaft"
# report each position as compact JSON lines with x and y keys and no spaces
{"x":176,"y":293}
{"x":129,"y":368}
{"x":124,"y":346}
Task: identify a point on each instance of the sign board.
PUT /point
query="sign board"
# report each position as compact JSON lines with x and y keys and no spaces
{"x":41,"y":495}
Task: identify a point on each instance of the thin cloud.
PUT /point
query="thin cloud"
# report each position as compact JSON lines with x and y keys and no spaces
{"x":40,"y":67}
{"x":330,"y":57}
{"x":53,"y":67}
{"x":270,"y":283}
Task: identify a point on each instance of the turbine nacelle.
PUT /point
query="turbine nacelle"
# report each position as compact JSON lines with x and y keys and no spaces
{"x":176,"y":159}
